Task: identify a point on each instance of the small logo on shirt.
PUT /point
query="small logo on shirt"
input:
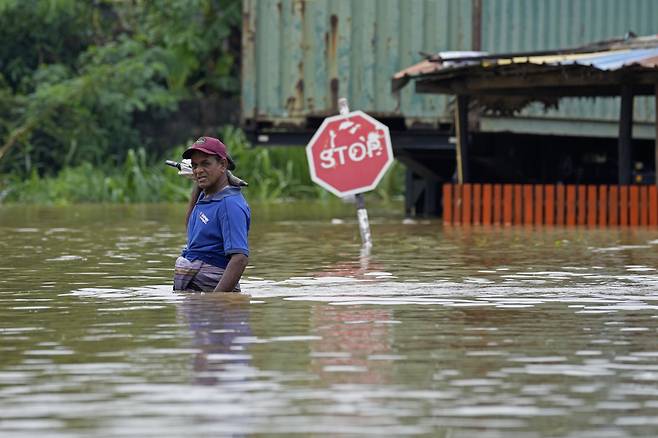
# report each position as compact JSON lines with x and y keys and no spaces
{"x":203,"y":218}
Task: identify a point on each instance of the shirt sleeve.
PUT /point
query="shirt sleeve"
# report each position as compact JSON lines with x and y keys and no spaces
{"x":234,"y":220}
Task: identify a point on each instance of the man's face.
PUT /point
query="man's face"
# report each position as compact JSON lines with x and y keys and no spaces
{"x":208,"y":170}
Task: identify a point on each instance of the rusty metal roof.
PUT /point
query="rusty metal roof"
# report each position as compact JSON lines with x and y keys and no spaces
{"x":594,"y":70}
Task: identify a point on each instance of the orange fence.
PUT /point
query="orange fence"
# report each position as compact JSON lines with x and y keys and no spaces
{"x":550,"y":204}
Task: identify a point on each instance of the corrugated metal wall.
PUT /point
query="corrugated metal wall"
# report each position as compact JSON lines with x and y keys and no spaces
{"x":299,"y":56}
{"x":522,"y":25}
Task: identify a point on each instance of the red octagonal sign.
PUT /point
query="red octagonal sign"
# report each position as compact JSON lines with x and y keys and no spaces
{"x":350,"y":153}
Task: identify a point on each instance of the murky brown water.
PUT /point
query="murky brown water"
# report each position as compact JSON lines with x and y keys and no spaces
{"x":500,"y":332}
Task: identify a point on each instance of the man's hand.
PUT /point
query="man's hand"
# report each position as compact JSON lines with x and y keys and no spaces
{"x":186,"y":169}
{"x":236,"y":265}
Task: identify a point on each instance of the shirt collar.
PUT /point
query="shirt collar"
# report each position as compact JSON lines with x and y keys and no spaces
{"x":223,"y":193}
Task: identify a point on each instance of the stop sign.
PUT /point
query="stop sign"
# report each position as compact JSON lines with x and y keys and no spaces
{"x":349,"y":153}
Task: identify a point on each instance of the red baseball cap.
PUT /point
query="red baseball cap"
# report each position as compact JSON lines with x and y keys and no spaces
{"x":211,"y":146}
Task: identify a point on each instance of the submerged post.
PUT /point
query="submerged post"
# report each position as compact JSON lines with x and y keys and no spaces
{"x":361,"y":212}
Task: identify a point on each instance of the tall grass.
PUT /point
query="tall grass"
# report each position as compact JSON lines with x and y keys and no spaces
{"x":273,"y":173}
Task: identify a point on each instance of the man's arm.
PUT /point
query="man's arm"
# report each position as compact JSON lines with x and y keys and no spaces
{"x":236,"y":265}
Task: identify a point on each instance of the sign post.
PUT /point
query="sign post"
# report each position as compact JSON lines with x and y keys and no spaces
{"x":361,"y":212}
{"x":348,"y":155}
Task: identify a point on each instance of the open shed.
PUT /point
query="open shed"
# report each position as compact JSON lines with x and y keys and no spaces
{"x":506,"y":83}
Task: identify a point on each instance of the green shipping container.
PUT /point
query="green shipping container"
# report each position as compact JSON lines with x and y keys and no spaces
{"x":300,"y":56}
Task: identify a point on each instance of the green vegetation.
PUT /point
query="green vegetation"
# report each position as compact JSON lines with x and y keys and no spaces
{"x":75,"y":76}
{"x":273,"y":173}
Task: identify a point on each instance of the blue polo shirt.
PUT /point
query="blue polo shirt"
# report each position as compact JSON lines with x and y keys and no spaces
{"x":218,"y":227}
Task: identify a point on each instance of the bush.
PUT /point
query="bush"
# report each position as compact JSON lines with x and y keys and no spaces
{"x":276,"y":173}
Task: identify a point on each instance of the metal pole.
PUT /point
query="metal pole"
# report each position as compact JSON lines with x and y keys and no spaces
{"x":361,"y":212}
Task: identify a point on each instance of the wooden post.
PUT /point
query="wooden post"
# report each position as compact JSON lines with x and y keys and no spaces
{"x":539,"y":204}
{"x":613,"y":204}
{"x":461,"y":127}
{"x":498,"y":204}
{"x":487,"y":192}
{"x":591,"y":205}
{"x":549,"y":214}
{"x":527,"y":204}
{"x":457,"y":199}
{"x":644,"y":205}
{"x":477,"y":204}
{"x":467,"y":199}
{"x":625,"y":134}
{"x":518,"y":204}
{"x":634,"y":200}
{"x":581,"y":212}
{"x":447,"y":203}
{"x":559,"y":204}
{"x":653,"y":206}
{"x":603,"y":205}
{"x":623,"y":205}
{"x":507,"y":204}
{"x":571,"y":205}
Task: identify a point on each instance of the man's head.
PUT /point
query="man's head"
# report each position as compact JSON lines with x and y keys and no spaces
{"x":210,"y":146}
{"x":209,"y":171}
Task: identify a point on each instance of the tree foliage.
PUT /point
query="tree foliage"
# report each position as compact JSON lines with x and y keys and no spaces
{"x":74,"y":74}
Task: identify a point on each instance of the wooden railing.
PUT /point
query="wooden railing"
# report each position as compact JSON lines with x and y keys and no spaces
{"x":550,"y":204}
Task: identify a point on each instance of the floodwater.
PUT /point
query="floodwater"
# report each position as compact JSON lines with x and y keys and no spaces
{"x":440,"y":331}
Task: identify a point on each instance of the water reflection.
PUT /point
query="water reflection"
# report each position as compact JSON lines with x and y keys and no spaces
{"x":351,"y":340}
{"x":216,"y":321}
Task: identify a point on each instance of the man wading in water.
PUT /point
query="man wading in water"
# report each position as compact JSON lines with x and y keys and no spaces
{"x":218,"y":220}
